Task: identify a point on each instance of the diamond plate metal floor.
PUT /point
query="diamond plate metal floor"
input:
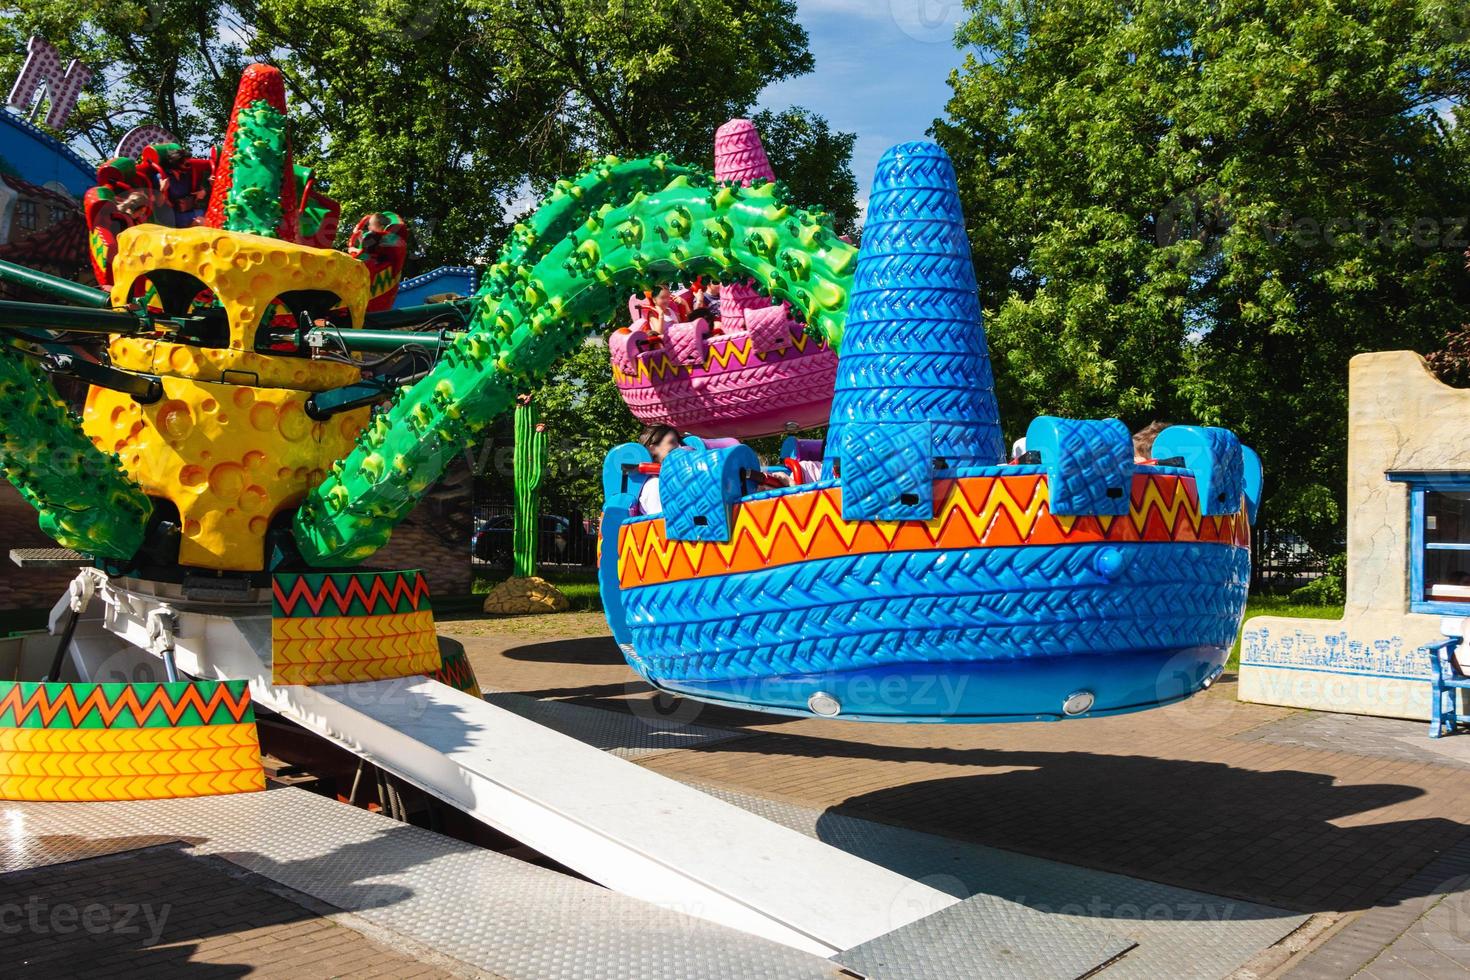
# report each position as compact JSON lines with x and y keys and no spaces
{"x":1178,"y":932}
{"x":627,"y":736}
{"x":1024,"y":916}
{"x":477,"y":906}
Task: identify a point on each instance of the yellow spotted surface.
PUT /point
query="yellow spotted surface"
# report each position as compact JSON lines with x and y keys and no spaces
{"x":230,"y":457}
{"x":150,"y":356}
{"x":246,"y":274}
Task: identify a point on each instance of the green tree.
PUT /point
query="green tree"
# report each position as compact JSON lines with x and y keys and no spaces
{"x":585,"y":417}
{"x":814,"y":161}
{"x":1196,"y":210}
{"x":456,"y":113}
{"x":450,"y":111}
{"x":160,"y":61}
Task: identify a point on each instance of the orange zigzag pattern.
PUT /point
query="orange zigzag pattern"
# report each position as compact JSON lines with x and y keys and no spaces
{"x":989,"y":511}
{"x":301,"y":592}
{"x":719,"y":354}
{"x":40,"y":701}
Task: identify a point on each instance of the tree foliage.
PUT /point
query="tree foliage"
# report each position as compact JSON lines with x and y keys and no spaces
{"x":1200,"y":210}
{"x":814,"y":161}
{"x":457,"y":113}
{"x":153,"y":62}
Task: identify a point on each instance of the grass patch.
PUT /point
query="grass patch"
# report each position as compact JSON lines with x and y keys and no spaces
{"x":1278,"y":605}
{"x":580,"y":588}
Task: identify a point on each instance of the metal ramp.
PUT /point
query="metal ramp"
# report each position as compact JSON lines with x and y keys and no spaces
{"x":626,"y":827}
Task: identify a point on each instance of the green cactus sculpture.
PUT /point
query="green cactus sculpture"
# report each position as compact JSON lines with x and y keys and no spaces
{"x":530,"y":468}
{"x":85,"y":501}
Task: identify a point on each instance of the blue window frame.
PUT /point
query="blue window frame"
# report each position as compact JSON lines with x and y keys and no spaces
{"x":1439,"y":540}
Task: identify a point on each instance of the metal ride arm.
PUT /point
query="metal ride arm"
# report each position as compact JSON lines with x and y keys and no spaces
{"x":60,"y":359}
{"x":50,"y":316}
{"x":65,"y":289}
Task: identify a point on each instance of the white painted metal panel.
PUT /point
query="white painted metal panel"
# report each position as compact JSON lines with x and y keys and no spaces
{"x":631,"y":829}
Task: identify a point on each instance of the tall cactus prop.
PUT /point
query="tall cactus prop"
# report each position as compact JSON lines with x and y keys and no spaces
{"x":534,"y":309}
{"x":84,"y":499}
{"x":530,"y":468}
{"x":254,"y":185}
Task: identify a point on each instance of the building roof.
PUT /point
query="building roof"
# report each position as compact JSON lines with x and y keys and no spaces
{"x":36,"y":190}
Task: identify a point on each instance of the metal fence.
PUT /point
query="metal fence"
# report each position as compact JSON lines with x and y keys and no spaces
{"x":567,"y":539}
{"x":1282,"y":561}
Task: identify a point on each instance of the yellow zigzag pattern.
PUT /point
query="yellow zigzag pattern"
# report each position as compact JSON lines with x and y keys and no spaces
{"x":82,"y":765}
{"x":717,"y":354}
{"x":957,"y":519}
{"x":346,"y":649}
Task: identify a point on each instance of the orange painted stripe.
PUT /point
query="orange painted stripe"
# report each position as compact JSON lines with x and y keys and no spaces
{"x":988,"y":511}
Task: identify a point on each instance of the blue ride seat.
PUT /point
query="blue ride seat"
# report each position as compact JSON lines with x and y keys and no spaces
{"x":1218,"y":463}
{"x":1447,"y":680}
{"x":700,"y":487}
{"x":1089,"y":464}
{"x":888,"y":472}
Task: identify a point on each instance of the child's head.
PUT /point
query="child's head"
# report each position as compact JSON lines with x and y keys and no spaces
{"x":712,"y":288}
{"x":663,"y":298}
{"x":175,"y":158}
{"x":376,"y":222}
{"x":1143,"y":439}
{"x":136,"y":204}
{"x":660,"y":440}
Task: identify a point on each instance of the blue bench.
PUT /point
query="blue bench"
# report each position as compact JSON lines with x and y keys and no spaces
{"x":1447,"y":679}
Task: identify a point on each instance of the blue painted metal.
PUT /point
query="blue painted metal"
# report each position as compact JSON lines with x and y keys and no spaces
{"x":913,"y":349}
{"x":1419,"y":482}
{"x":888,"y":472}
{"x":1214,"y":457}
{"x":1089,"y":464}
{"x":1024,"y":624}
{"x":36,"y":157}
{"x":699,"y":488}
{"x":461,"y":279}
{"x":1253,"y":477}
{"x":1446,"y":684}
{"x":1431,"y":479}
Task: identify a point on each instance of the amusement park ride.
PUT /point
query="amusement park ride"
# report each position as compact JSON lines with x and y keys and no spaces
{"x":245,"y":443}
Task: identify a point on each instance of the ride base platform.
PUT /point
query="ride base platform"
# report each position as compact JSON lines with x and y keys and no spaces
{"x":489,"y":913}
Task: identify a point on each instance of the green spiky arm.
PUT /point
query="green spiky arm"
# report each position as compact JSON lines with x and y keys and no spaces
{"x":527,"y":316}
{"x":572,"y":202}
{"x":85,"y":500}
{"x":530,"y":468}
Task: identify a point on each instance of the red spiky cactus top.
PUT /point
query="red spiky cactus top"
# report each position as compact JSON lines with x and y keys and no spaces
{"x":254,"y":182}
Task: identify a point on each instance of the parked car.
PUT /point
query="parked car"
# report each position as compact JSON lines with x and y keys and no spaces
{"x":494,"y":539}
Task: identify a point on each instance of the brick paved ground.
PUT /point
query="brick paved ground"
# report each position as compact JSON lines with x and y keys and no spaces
{"x":158,"y":913}
{"x":1189,"y":795}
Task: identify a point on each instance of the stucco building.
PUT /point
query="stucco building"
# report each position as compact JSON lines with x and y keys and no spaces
{"x":1408,"y":551}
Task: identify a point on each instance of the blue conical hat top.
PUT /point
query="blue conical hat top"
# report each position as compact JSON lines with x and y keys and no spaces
{"x":914,"y":349}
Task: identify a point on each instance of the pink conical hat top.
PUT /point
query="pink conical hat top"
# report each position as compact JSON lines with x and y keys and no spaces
{"x":739,"y":154}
